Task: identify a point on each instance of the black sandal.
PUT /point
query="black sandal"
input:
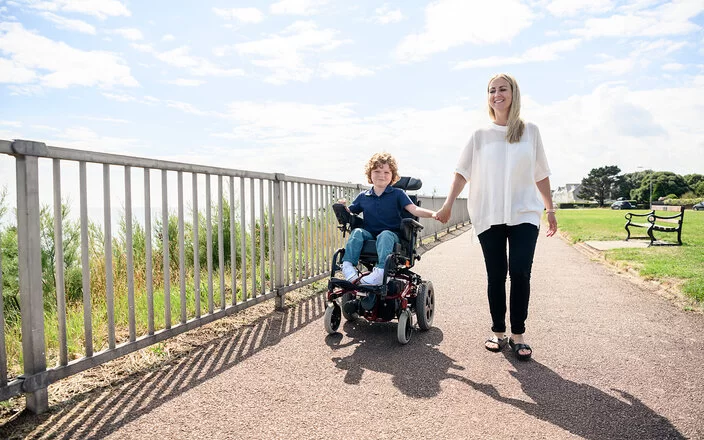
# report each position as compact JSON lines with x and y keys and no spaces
{"x":518,"y":347}
{"x":500,"y":343}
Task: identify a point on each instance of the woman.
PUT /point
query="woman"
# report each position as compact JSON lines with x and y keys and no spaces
{"x":506,"y":167}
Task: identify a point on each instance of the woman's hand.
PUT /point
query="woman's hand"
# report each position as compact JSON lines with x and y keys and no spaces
{"x":552,"y":224}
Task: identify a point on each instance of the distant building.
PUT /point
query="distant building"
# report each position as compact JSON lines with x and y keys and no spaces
{"x":567,"y":193}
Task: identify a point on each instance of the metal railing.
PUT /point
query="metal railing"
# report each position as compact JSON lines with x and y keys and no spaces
{"x":265,"y":235}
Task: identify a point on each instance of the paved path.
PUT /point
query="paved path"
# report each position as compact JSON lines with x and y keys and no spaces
{"x":611,"y":362}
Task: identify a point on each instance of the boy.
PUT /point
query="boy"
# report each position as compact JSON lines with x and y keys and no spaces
{"x":382,"y":206}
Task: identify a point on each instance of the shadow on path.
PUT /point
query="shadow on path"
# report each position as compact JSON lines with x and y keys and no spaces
{"x":580,"y":408}
{"x":97,"y":413}
{"x":416,"y":369}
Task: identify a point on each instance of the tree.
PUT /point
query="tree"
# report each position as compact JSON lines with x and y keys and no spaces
{"x":629,"y":182}
{"x":667,"y":182}
{"x":699,"y":189}
{"x":601,"y":183}
{"x":664,"y":183}
{"x":693,"y":180}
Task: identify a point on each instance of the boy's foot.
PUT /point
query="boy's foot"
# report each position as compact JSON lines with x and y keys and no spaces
{"x":350,"y":272}
{"x":374,"y":278}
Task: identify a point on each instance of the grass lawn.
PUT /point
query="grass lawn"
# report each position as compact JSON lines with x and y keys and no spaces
{"x":684,"y":263}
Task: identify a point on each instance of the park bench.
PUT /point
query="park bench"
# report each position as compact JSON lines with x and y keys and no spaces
{"x":656,"y":222}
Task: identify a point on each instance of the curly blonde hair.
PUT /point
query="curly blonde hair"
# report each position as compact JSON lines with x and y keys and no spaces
{"x":515,"y":123}
{"x":378,"y":161}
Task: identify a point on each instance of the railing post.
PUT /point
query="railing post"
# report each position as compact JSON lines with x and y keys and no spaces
{"x":279,"y":250}
{"x":30,"y":267}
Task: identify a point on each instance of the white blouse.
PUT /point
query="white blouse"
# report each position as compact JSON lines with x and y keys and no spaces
{"x":502,"y":177}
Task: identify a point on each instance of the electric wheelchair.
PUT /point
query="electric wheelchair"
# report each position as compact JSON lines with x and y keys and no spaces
{"x":402,"y":294}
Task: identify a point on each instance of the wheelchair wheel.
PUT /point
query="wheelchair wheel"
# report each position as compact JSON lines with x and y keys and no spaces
{"x":425,"y":305}
{"x":349,"y":317}
{"x":405,"y":327}
{"x":333,"y":316}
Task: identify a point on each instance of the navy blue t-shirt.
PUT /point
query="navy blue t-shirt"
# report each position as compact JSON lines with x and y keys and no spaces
{"x":381,"y":213}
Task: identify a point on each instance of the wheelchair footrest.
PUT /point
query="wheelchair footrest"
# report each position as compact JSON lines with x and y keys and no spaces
{"x":346,"y":285}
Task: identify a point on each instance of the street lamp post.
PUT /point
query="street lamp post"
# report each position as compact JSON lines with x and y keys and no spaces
{"x":650,"y":196}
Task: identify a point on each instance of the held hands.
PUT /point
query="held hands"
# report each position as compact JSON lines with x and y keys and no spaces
{"x":443,"y":215}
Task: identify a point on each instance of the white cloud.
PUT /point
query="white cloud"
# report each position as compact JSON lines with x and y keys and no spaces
{"x":570,"y":8}
{"x":131,"y":34}
{"x":13,"y":72}
{"x":119,"y":97}
{"x":58,"y":65}
{"x":613,"y":66}
{"x":26,"y":90}
{"x":242,"y":15}
{"x":673,"y":67}
{"x":672,"y":18}
{"x":85,"y":138}
{"x":453,"y":23}
{"x":297,"y":7}
{"x":147,"y":48}
{"x":106,"y":119}
{"x":284,"y":54}
{"x":386,"y":15}
{"x":546,"y":52}
{"x":636,"y":5}
{"x":16,"y":124}
{"x":345,"y":69}
{"x":186,"y":108}
{"x":278,"y":134}
{"x":645,"y":124}
{"x":69,"y":24}
{"x":644,"y":54}
{"x":98,"y":8}
{"x":186,"y":82}
{"x":181,"y":57}
{"x":167,"y":38}
{"x":648,"y":124}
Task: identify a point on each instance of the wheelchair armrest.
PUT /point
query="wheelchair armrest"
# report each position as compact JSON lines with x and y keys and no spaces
{"x":409,"y":226}
{"x":342,"y":214}
{"x":347,"y":220}
{"x":411,"y":223}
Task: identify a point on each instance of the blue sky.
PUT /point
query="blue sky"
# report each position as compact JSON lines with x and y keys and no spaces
{"x":312,"y":88}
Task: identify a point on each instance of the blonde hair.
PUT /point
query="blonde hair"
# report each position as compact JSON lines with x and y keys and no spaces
{"x":515,"y":124}
{"x":379,"y":160}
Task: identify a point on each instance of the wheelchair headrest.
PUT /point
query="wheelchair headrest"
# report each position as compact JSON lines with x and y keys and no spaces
{"x":408,"y":184}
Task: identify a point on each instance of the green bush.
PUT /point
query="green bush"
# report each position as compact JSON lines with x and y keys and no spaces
{"x":573,"y":205}
{"x":683,"y":202}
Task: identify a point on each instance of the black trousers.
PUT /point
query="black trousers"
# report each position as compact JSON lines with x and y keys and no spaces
{"x":518,"y":263}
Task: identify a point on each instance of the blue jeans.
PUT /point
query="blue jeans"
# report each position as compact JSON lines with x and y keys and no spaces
{"x":385,"y":242}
